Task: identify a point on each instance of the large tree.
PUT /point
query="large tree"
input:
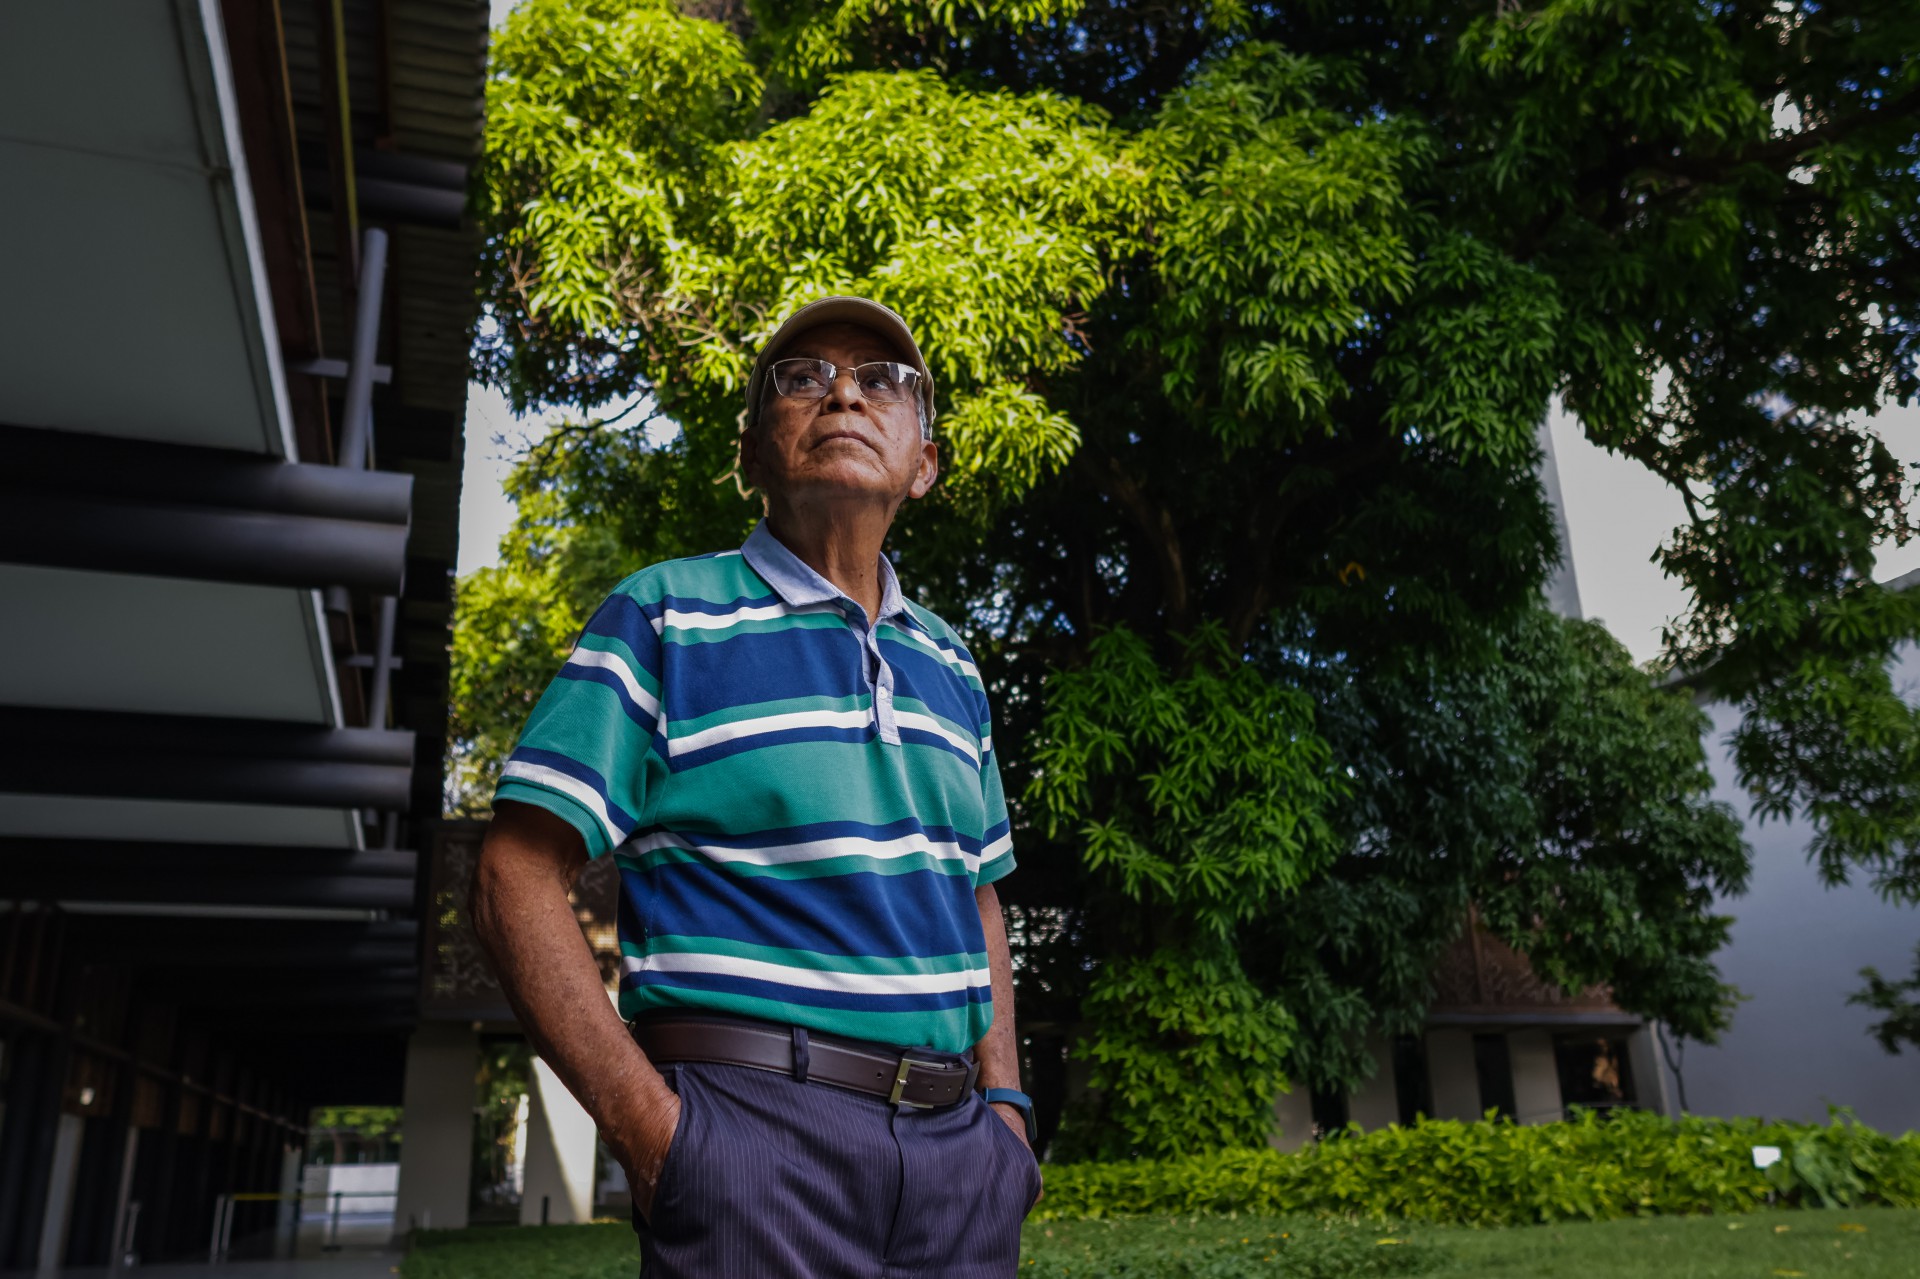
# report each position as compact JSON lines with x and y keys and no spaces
{"x":1244,"y":318}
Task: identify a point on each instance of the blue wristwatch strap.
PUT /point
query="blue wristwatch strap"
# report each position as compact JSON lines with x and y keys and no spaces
{"x":1014,"y":1097}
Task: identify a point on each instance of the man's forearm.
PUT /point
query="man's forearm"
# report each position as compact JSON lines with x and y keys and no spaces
{"x":998,"y":1051}
{"x":523,"y":918}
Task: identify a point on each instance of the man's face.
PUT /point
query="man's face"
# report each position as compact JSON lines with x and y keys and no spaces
{"x":843,"y":445}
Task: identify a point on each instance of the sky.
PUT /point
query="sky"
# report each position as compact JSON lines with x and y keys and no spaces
{"x":1617,"y":512}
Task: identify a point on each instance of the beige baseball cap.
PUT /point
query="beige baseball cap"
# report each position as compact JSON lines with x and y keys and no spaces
{"x":839,"y":310}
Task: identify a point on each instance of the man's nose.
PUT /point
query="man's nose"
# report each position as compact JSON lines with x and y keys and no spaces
{"x":843,"y":393}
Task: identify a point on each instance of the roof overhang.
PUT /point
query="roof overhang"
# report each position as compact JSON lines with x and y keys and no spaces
{"x":141,"y":327}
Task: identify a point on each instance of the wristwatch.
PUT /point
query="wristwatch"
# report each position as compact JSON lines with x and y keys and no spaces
{"x":1017,"y":1099}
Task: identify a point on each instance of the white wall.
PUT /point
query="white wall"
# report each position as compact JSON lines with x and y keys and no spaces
{"x":1796,"y":950}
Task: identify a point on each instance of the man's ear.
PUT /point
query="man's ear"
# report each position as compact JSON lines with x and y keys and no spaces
{"x":929,"y":469}
{"x":750,"y":456}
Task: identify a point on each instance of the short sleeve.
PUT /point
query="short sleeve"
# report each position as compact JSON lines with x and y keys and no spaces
{"x":996,"y":845}
{"x":590,"y":746}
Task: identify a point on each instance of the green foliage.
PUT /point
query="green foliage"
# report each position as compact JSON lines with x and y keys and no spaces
{"x":376,"y":1123}
{"x":1899,"y":1000}
{"x":517,"y":622}
{"x":1243,"y":322}
{"x":1188,"y":1055}
{"x":1546,"y":781}
{"x":348,"y":1134}
{"x":1496,"y":1173}
{"x":1198,"y":799}
{"x":1199,"y":795}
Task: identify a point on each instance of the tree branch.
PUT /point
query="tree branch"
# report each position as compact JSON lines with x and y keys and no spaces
{"x":1153,"y":520}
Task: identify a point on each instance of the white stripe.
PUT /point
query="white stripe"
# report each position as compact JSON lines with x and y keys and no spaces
{"x":572,"y":787}
{"x":720,"y":621}
{"x":688,"y":621}
{"x":809,"y":851}
{"x":946,"y":655}
{"x":928,"y":724}
{"x":614,"y":664}
{"x":811,"y":978}
{"x":997,"y":847}
{"x":767,"y":724}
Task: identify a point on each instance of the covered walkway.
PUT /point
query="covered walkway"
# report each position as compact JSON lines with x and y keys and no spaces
{"x":232,"y":392}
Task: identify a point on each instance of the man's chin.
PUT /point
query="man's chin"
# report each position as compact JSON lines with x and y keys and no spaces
{"x":854,"y":478}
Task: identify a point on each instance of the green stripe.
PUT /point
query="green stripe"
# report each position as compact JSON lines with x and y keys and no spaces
{"x":565,"y":807}
{"x":954,"y":1030}
{"x":843,"y":781}
{"x":765,"y":710}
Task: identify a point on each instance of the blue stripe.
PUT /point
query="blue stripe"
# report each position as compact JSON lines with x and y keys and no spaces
{"x":598,"y":675}
{"x":922,"y":912}
{"x":625,"y":619}
{"x":780,"y":992}
{"x":710,"y":608}
{"x":579,"y":772}
{"x":919,"y":674}
{"x":785,"y":737}
{"x":763,"y":666}
{"x":921,"y":737}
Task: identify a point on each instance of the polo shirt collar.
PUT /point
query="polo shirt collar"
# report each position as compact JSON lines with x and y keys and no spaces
{"x":797,"y":585}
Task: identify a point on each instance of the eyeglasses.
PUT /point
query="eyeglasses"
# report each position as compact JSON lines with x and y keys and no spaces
{"x":882,"y":381}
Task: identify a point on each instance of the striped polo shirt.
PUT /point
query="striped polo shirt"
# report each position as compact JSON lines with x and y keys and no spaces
{"x":801,"y":805}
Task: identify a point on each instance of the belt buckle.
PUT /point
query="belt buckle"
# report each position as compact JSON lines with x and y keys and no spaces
{"x":907,"y":1063}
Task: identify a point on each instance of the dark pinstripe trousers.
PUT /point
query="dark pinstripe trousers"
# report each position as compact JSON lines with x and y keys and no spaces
{"x":771,"y":1177}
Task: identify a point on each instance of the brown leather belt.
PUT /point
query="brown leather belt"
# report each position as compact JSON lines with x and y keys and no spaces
{"x":925,"y":1082}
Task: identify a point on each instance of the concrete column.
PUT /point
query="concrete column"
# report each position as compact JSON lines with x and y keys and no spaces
{"x":286,"y":1218}
{"x":1376,"y":1105}
{"x":1292,"y":1119}
{"x":561,"y":1141}
{"x":1450,"y":1071}
{"x":60,"y":1184}
{"x":436,"y":1127}
{"x":1652,"y":1082}
{"x":1536,"y":1077}
{"x":123,"y":1200}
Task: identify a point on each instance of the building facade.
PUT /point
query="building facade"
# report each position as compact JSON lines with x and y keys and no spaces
{"x":232,"y":388}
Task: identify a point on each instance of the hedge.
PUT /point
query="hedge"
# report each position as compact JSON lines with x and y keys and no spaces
{"x":1496,"y":1173}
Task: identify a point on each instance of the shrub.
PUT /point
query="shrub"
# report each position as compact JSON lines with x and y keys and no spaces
{"x":1500,"y":1174}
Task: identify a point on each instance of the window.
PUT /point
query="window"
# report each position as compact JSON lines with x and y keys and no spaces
{"x":1495,"y":1071}
{"x":1412,"y":1085}
{"x":1594,"y":1071}
{"x":1329,"y":1113}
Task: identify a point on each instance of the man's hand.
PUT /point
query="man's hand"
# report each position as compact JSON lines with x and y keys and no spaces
{"x":522,"y":917}
{"x":644,"y":1153}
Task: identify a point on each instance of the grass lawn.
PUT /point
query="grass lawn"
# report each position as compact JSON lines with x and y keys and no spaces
{"x":1860,"y":1243}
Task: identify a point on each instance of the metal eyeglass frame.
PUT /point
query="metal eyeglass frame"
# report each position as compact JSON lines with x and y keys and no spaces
{"x":905,"y":374}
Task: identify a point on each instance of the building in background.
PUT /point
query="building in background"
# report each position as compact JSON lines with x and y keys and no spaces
{"x":1499,"y":1039}
{"x":233,"y":367}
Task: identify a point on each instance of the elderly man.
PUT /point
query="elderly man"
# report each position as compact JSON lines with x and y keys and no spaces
{"x":813,"y":1068}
